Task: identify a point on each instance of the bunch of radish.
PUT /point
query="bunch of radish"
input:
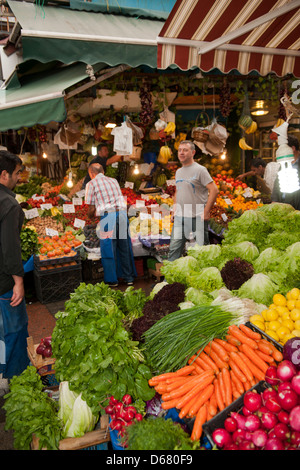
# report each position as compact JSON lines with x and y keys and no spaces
{"x":45,"y":347}
{"x":269,"y":420}
{"x":122,"y":414}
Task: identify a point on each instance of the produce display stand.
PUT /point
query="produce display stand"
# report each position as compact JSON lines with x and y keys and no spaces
{"x":44,"y":366}
{"x":93,"y":440}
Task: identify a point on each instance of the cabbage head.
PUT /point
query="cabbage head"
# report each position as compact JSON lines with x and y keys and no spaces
{"x":208,"y":279}
{"x":268,"y":260}
{"x":245,"y":250}
{"x":66,"y":401}
{"x":259,"y":288}
{"x":206,"y":255}
{"x":197,"y":296}
{"x":179,"y":269}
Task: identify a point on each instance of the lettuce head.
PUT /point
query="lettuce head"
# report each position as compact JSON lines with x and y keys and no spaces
{"x":207,"y":280}
{"x":179,"y":269}
{"x":259,"y":288}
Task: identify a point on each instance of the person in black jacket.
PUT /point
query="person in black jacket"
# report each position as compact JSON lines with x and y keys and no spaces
{"x":102,"y":158}
{"x":289,"y":198}
{"x":13,"y":314}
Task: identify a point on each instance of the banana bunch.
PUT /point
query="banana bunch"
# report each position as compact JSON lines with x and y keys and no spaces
{"x":252,"y":128}
{"x":243,"y":144}
{"x":170,"y":128}
{"x":279,"y":122}
{"x":180,"y":137}
{"x":164,"y":155}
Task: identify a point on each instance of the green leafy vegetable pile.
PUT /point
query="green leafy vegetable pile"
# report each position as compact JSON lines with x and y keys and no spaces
{"x":29,"y":243}
{"x":94,"y":351}
{"x":30,"y":411}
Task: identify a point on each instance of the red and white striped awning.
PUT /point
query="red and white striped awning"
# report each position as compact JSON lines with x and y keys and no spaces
{"x":242,"y":35}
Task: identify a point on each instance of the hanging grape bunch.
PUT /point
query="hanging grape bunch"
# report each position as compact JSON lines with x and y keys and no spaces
{"x":146,"y":114}
{"x":42,"y":134}
{"x":225,"y":100}
{"x":281,"y":109}
{"x":32,"y":134}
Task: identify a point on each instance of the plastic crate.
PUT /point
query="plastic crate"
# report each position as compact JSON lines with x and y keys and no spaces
{"x":264,"y":335}
{"x":56,"y":263}
{"x":92,"y":271}
{"x":139,"y":266}
{"x":236,"y":406}
{"x":53,"y":285}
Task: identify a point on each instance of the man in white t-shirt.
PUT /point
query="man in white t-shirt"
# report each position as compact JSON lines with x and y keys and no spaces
{"x":195,"y":195}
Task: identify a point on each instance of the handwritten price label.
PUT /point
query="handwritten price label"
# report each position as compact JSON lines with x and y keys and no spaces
{"x":50,"y":232}
{"x":31,"y":213}
{"x":68,"y":208}
{"x":79,"y":223}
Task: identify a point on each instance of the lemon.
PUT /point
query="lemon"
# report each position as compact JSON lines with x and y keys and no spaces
{"x":279,"y":300}
{"x":285,"y":315}
{"x":287,"y":337}
{"x":288,"y":296}
{"x":259,"y":324}
{"x":297,"y":303}
{"x":295,"y":292}
{"x":295,"y":314}
{"x":264,"y":314}
{"x":272,"y":314}
{"x":289,"y":324}
{"x":280,"y":309}
{"x":291,"y":304}
{"x":272,"y":334}
{"x":274,"y":325}
{"x":297,"y":324}
{"x":272,"y":306}
{"x":296,"y":332}
{"x":282,"y":331}
{"x":253,"y":318}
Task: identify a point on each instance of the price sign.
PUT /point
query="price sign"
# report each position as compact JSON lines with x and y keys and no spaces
{"x":38,"y":198}
{"x":79,"y":223}
{"x":68,"y":208}
{"x":80,"y":193}
{"x":139,"y":203}
{"x":129,"y":184}
{"x":247,"y":193}
{"x":77,"y":201}
{"x":51,"y":232}
{"x":224,"y":217}
{"x":93,"y":256}
{"x":46,"y":206}
{"x":228,"y":201}
{"x":171,"y":182}
{"x":31,"y":213}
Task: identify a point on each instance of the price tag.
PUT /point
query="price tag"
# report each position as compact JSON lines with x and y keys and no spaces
{"x":46,"y":206}
{"x":258,"y":201}
{"x":79,"y":223}
{"x":81,"y":193}
{"x":38,"y":198}
{"x":77,"y":201}
{"x":68,"y":208}
{"x":228,"y":201}
{"x":64,"y":197}
{"x":224,"y":217}
{"x":247,"y":192}
{"x":171,"y":182}
{"x":129,"y":184}
{"x":115,"y":164}
{"x":140,"y":203}
{"x":50,"y":232}
{"x":93,"y":256}
{"x":145,"y":197}
{"x":31,"y":213}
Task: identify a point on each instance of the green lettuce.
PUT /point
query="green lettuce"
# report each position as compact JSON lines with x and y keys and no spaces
{"x":259,"y":288}
{"x":252,"y":226}
{"x":208,"y":279}
{"x":245,"y":250}
{"x":206,"y":255}
{"x":81,"y":419}
{"x":179,"y":269}
{"x":281,"y":239}
{"x":268,"y":260}
{"x":157,"y":288}
{"x":197,"y":296}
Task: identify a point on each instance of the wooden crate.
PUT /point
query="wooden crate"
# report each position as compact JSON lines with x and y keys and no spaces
{"x":156,"y":272}
{"x":44,"y":366}
{"x":96,"y":439}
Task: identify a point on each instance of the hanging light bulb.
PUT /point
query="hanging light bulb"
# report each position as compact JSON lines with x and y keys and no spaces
{"x":136,"y":169}
{"x":70,"y":181}
{"x":287,"y":175}
{"x":45,"y":155}
{"x":223,"y":155}
{"x":110,"y":125}
{"x":260,"y":108}
{"x":94,"y":150}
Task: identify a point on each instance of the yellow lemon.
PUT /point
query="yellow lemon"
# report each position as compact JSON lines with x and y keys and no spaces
{"x":280,"y":309}
{"x":295,"y":292}
{"x":295,"y":314}
{"x":256,"y":317}
{"x":296,"y":332}
{"x":291,"y":304}
{"x":272,"y":306}
{"x":259,"y":324}
{"x":297,"y":324}
{"x":282,"y":331}
{"x":264,"y":314}
{"x":286,"y":338}
{"x":274,"y":325}
{"x":288,"y":296}
{"x":272,"y":334}
{"x":285,"y":315}
{"x":279,"y":299}
{"x":289,"y":324}
{"x":297,"y":303}
{"x":272,"y":314}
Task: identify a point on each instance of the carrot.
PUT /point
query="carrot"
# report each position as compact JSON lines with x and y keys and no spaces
{"x":237,"y":382}
{"x":198,"y":369}
{"x":186,"y":370}
{"x":185,"y":410}
{"x":254,"y":369}
{"x":215,"y":358}
{"x":242,"y":366}
{"x":203,"y":384}
{"x":232,"y":340}
{"x":218,"y":394}
{"x":212,"y":405}
{"x":174,"y":385}
{"x":200,"y":419}
{"x":227,"y":346}
{"x":265,"y":357}
{"x":218,"y":348}
{"x":265,"y":347}
{"x":209,"y":361}
{"x":228,"y":386}
{"x":237,"y":371}
{"x":167,"y":405}
{"x":203,"y":397}
{"x":254,"y":357}
{"x":201,"y":363}
{"x":162,"y":377}
{"x":161,"y":388}
{"x":222,"y":386}
{"x":277,"y":355}
{"x":248,"y":332}
{"x":235,"y":392}
{"x":184,"y":388}
{"x":247,"y":386}
{"x":238,"y":334}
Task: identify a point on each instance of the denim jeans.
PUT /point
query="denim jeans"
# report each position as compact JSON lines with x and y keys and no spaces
{"x":183,"y":228}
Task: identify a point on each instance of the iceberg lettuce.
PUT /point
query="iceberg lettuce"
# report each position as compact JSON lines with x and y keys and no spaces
{"x":206,"y":255}
{"x":178,"y":270}
{"x":208,"y":279}
{"x":81,"y":419}
{"x":268,"y":260}
{"x":245,"y":250}
{"x":197,"y":296}
{"x":259,"y":288}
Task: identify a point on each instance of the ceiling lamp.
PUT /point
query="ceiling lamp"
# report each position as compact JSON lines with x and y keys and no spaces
{"x":260,"y":108}
{"x":287,"y":174}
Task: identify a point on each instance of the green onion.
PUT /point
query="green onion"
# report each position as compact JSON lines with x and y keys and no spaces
{"x":171,"y":341}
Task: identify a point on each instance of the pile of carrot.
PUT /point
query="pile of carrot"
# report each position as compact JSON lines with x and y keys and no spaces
{"x":217,"y":375}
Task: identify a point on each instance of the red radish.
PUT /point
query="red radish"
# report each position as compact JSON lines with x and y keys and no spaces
{"x":295,"y":383}
{"x":271,"y":375}
{"x":116,"y":425}
{"x":268,"y":420}
{"x":239,"y":435}
{"x":230,"y":424}
{"x":252,"y":423}
{"x":246,"y":412}
{"x":40,"y":349}
{"x":48,"y":341}
{"x":252,"y":401}
{"x":231,"y":447}
{"x":221,"y":437}
{"x":127,"y":399}
{"x":283,"y":416}
{"x":281,"y":431}
{"x":138,"y":416}
{"x":273,"y":404}
{"x":246,"y":445}
{"x":286,"y":370}
{"x":47,"y":352}
{"x":295,"y":438}
{"x":288,"y":399}
{"x":131,"y":409}
{"x":274,"y":444}
{"x":259,"y":437}
{"x":240,"y":419}
{"x":268,"y":393}
{"x":113,"y":400}
{"x":284,"y":386}
{"x":261,"y":410}
{"x":294,"y":418}
{"x":109,"y":409}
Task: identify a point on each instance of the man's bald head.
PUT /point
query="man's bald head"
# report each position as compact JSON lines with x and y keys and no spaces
{"x":95,"y":169}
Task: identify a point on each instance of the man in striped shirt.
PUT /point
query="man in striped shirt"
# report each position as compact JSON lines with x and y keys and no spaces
{"x":104,"y":196}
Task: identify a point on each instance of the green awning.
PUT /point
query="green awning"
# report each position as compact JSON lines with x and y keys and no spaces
{"x":41,"y":99}
{"x":60,"y":33}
